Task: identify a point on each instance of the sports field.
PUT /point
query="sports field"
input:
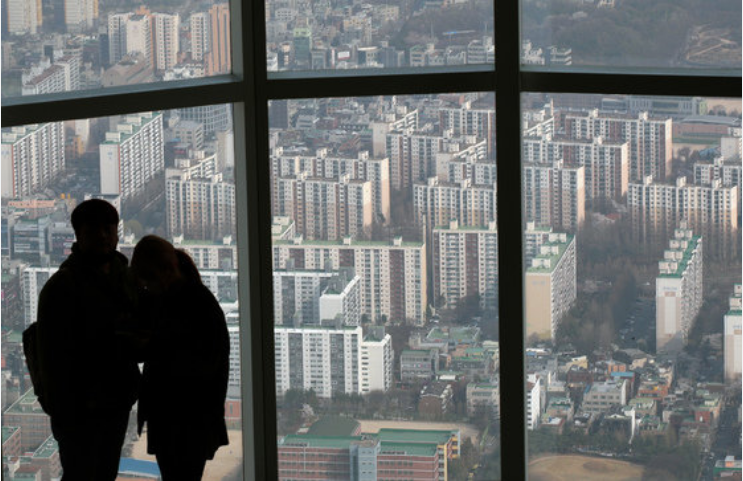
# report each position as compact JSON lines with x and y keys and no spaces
{"x":570,"y":468}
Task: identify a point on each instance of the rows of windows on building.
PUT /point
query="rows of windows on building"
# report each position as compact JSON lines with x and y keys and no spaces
{"x":384,"y":218}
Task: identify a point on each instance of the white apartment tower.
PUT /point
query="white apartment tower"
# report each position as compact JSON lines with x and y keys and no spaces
{"x":34,"y":279}
{"x":555,"y":195}
{"x":657,"y":209}
{"x":80,"y":15}
{"x":327,"y":209}
{"x":166,"y":33}
{"x":732,"y":337}
{"x":132,"y":154}
{"x":22,"y":16}
{"x":465,"y":263}
{"x":325,"y":359}
{"x":650,"y":139}
{"x":606,"y":163}
{"x":117,"y":36}
{"x":551,"y":286}
{"x":678,"y":290}
{"x":377,"y":359}
{"x":199,"y":23}
{"x":32,"y":156}
{"x":393,"y":280}
{"x":199,"y":207}
{"x":435,"y":203}
{"x":139,"y":36}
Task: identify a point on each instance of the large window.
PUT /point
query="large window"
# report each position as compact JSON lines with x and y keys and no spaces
{"x":399,"y":287}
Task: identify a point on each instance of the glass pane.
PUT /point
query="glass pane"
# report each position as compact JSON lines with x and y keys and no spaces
{"x":339,"y":35}
{"x":690,"y":34}
{"x":385,"y":287}
{"x":167,"y":173}
{"x":64,"y":45}
{"x":633,"y":286}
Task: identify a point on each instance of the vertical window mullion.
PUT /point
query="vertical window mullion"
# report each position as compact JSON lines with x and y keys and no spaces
{"x":511,"y":230}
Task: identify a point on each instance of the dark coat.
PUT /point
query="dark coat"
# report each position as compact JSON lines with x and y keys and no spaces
{"x":84,"y":365}
{"x":186,"y":372}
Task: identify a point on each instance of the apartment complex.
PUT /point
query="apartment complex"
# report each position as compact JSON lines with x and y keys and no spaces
{"x":551,"y":286}
{"x":132,"y":154}
{"x":393,"y":281}
{"x":728,"y":171}
{"x":311,"y":297}
{"x":48,"y":77}
{"x":327,"y":209}
{"x":606,"y":163}
{"x":323,"y":166}
{"x":332,"y":360}
{"x":467,"y":120}
{"x":435,"y":203}
{"x":465,"y":263}
{"x":22,"y":17}
{"x":199,"y":204}
{"x":732,"y":337}
{"x":649,"y":138}
{"x":218,"y":59}
{"x":555,"y":195}
{"x":79,"y":15}
{"x":678,"y":290}
{"x":32,"y":156}
{"x":656,"y":209}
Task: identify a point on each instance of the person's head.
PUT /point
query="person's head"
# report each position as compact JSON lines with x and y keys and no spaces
{"x":155,"y":264}
{"x":95,"y":223}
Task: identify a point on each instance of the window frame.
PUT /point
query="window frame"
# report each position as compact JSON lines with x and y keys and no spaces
{"x":249,"y":89}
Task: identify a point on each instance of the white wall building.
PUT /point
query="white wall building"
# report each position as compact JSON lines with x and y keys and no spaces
{"x":32,"y":156}
{"x":34,"y":279}
{"x":732,"y":337}
{"x":678,"y":290}
{"x":132,"y":154}
{"x":377,"y":359}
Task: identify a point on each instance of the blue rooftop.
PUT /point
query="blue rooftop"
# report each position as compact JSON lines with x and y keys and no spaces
{"x":139,"y":467}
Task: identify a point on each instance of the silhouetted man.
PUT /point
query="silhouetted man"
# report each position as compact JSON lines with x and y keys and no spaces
{"x":90,"y":383}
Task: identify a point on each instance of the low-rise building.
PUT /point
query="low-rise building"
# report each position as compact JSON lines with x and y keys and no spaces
{"x":435,"y":400}
{"x":601,"y":396}
{"x":418,"y":365}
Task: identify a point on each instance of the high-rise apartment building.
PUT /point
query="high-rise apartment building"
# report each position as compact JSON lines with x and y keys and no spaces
{"x":656,"y":209}
{"x":323,"y":208}
{"x":138,"y":30}
{"x":465,"y":263}
{"x":166,"y":35}
{"x":22,"y":16}
{"x":729,"y":171}
{"x":131,"y":155}
{"x":435,"y":203}
{"x":34,"y":278}
{"x":215,"y":118}
{"x":466,"y":120}
{"x":733,"y":337}
{"x":606,"y":163}
{"x":325,"y":166}
{"x":551,"y":286}
{"x":649,"y":139}
{"x":555,"y":195}
{"x":377,"y":359}
{"x":32,"y":156}
{"x":218,"y":60}
{"x":311,"y":297}
{"x":200,"y":35}
{"x":61,"y":76}
{"x":397,"y":118}
{"x":393,"y":281}
{"x":326,"y":359}
{"x":199,"y":206}
{"x":678,"y":290}
{"x":80,"y":15}
{"x":117,"y":36}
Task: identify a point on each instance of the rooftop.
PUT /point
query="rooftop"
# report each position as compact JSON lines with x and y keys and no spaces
{"x":414,"y":436}
{"x":334,"y":426}
{"x":307,"y":440}
{"x":409,"y":449}
{"x":543,"y":262}
{"x":683,"y":263}
{"x":8,"y":432}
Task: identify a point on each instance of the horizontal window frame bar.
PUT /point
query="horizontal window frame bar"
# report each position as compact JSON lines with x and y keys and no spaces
{"x":121,"y":100}
{"x":230,"y":89}
{"x":630,"y":84}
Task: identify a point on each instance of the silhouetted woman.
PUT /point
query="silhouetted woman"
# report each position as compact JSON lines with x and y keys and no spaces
{"x":186,"y":368}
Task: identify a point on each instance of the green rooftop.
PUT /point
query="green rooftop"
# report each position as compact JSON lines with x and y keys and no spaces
{"x":408,"y":449}
{"x":553,"y":258}
{"x":683,"y":263}
{"x":334,"y":426}
{"x":135,"y":128}
{"x":8,"y":432}
{"x":339,"y":243}
{"x":26,"y":404}
{"x":414,"y":436}
{"x":47,"y":448}
{"x":333,"y":442}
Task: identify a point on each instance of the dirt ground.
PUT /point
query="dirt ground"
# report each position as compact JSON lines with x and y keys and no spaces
{"x":466,"y":430}
{"x":729,"y":104}
{"x":227,"y":459}
{"x":570,"y":468}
